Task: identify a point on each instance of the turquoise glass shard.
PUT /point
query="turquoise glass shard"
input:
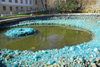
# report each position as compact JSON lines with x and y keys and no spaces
{"x":19,"y":32}
{"x":76,"y":56}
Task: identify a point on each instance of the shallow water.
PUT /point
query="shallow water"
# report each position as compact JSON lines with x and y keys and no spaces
{"x":48,"y":37}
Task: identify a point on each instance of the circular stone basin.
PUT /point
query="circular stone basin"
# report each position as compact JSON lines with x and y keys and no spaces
{"x":48,"y":37}
{"x":88,"y":52}
{"x":19,"y":32}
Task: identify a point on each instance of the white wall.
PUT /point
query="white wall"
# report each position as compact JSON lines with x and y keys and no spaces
{"x":20,"y":4}
{"x":98,"y":2}
{"x":0,"y":1}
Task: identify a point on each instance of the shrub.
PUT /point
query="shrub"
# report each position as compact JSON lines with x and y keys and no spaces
{"x":71,"y":5}
{"x":59,"y":7}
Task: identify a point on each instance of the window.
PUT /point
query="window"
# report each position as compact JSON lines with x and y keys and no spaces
{"x":27,"y":8}
{"x":45,"y":1}
{"x":10,"y":0}
{"x":4,"y":8}
{"x":46,"y":4}
{"x":21,"y":1}
{"x":30,"y":2}
{"x":36,"y":2}
{"x":16,"y":1}
{"x":26,"y":1}
{"x":30,"y":8}
{"x":21,"y":8}
{"x":16,"y":8}
{"x":3,"y":0}
{"x":10,"y":8}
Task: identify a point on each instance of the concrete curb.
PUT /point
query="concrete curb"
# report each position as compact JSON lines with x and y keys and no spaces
{"x":12,"y":20}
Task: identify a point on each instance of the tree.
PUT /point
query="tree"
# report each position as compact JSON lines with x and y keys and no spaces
{"x":42,"y":4}
{"x":61,"y":6}
{"x":71,"y":5}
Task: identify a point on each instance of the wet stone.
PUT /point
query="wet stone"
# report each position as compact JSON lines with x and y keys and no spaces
{"x":9,"y":57}
{"x":98,"y":60}
{"x":93,"y":60}
{"x":19,"y":32}
{"x":95,"y":49}
{"x":37,"y":56}
{"x":83,"y":49}
{"x":0,"y":60}
{"x":15,"y":64}
{"x":4,"y":55}
{"x":93,"y":65}
{"x":51,"y":61}
{"x":98,"y":64}
{"x":0,"y":53}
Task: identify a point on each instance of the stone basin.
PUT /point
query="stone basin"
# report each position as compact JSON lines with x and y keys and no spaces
{"x":86,"y":54}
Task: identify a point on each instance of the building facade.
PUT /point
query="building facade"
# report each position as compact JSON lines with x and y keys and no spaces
{"x":27,"y":6}
{"x":15,"y":6}
{"x":39,"y":5}
{"x":24,"y":6}
{"x":45,"y":4}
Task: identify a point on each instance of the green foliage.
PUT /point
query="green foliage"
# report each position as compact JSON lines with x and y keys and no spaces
{"x":59,"y":7}
{"x":72,"y":5}
{"x":23,"y":15}
{"x":18,"y":15}
{"x":69,"y":5}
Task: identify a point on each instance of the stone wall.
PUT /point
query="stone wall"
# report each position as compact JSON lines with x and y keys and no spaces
{"x":88,"y":6}
{"x":38,"y":6}
{"x":46,"y":5}
{"x":52,"y":4}
{"x":93,"y":6}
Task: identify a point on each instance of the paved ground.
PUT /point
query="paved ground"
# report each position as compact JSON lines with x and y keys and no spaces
{"x":9,"y":19}
{"x":20,"y":18}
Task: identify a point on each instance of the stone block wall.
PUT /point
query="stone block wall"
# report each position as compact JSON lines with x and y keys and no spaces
{"x":93,"y":6}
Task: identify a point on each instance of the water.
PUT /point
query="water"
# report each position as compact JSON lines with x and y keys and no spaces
{"x":48,"y":37}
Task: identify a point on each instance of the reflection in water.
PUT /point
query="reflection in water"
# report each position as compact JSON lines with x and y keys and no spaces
{"x":54,"y":39}
{"x":48,"y":37}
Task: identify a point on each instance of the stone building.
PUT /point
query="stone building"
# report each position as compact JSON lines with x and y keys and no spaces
{"x":16,"y":6}
{"x":26,"y":6}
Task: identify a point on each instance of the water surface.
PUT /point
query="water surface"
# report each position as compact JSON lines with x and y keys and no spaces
{"x":48,"y":37}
